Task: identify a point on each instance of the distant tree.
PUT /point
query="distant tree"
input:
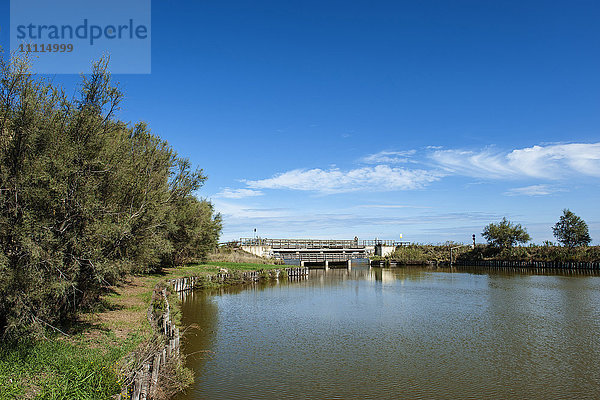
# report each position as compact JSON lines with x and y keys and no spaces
{"x":505,"y":234}
{"x":571,"y":230}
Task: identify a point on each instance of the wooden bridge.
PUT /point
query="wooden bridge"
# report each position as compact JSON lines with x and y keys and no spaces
{"x":318,"y":252}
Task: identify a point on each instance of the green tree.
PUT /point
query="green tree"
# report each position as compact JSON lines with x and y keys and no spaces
{"x":194,"y":227}
{"x":84,"y":199}
{"x":505,"y":234}
{"x":571,"y":230}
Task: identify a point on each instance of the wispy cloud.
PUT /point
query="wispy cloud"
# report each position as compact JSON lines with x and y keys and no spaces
{"x":388,"y":157}
{"x":389,"y":206}
{"x":229,"y":193}
{"x":241,"y":211}
{"x":378,"y":178}
{"x":338,"y":225}
{"x":533,"y":190}
{"x":548,"y":162}
{"x":545,"y":162}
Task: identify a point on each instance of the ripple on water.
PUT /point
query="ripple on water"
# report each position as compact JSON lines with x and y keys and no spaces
{"x":405,"y":333}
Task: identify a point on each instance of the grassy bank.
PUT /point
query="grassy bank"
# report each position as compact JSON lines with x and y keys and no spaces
{"x":534,"y":253}
{"x":419,"y":254}
{"x":96,"y":352}
{"x":228,"y":254}
{"x":424,"y":254}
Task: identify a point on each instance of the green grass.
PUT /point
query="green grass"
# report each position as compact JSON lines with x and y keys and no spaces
{"x":225,"y":254}
{"x":535,"y":253}
{"x":88,"y":367}
{"x":422,"y":254}
{"x":243,"y":266}
{"x":212,"y":267}
{"x":61,"y":369}
{"x":418,"y":253}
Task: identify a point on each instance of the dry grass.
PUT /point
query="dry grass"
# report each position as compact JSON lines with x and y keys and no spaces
{"x":102,"y":345}
{"x":239,"y":256}
{"x":123,"y":311}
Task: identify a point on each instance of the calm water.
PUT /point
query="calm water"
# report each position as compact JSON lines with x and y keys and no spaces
{"x":398,"y":333}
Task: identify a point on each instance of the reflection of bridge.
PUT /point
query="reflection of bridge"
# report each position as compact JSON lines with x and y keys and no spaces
{"x":315,"y":251}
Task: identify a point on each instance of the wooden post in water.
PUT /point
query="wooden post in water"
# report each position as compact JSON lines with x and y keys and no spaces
{"x":453,"y":248}
{"x":137,"y":388}
{"x":145,"y":382}
{"x":155,"y":370}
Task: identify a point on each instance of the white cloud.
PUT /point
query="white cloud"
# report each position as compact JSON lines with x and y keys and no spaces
{"x":389,"y":206}
{"x":545,"y":162}
{"x":378,"y":178}
{"x":311,"y":224}
{"x":533,"y":190}
{"x":388,"y":157}
{"x":229,"y":193}
{"x":245,"y":211}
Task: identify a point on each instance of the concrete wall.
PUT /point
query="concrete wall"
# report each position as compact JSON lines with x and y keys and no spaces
{"x":387,"y":250}
{"x":383,"y":251}
{"x":261,"y":251}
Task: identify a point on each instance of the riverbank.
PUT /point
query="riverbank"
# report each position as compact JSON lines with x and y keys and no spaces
{"x":419,"y":254}
{"x":93,"y":357}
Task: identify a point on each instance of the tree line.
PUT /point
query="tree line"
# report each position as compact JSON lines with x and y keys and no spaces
{"x":85,"y":199}
{"x":570,"y":231}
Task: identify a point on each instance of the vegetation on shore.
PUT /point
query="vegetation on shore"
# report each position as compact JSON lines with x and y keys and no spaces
{"x":93,"y":210}
{"x":103,"y":345}
{"x":534,"y":252}
{"x":85,"y":199}
{"x":571,"y":231}
{"x":234,"y":255}
{"x":505,"y":234}
{"x":420,"y":254}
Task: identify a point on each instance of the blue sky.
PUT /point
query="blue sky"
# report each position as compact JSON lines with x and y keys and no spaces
{"x":337,"y":119}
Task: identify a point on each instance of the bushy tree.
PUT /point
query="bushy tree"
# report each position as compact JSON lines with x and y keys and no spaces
{"x":571,"y":230}
{"x":194,"y":227}
{"x":84,"y":198}
{"x":505,"y":234}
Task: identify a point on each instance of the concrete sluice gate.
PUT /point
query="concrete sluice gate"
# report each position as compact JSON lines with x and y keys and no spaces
{"x":320,"y":252}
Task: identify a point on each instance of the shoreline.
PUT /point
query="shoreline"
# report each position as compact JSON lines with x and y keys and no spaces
{"x":533,"y":265}
{"x":145,"y":382}
{"x":481,"y":255}
{"x":107,"y":345}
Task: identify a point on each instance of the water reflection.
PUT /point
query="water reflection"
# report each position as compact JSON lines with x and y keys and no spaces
{"x":398,"y":333}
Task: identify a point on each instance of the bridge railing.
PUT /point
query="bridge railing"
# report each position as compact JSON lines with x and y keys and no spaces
{"x":317,"y":243}
{"x":300,"y":243}
{"x":370,"y":243}
{"x":317,"y":257}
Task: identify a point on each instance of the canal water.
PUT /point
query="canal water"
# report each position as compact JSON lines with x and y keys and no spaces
{"x":404,"y":333}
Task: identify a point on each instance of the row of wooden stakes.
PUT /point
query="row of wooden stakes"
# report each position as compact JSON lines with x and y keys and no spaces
{"x":189,"y":283}
{"x":529,"y":264}
{"x":504,"y":264}
{"x":144,"y":381}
